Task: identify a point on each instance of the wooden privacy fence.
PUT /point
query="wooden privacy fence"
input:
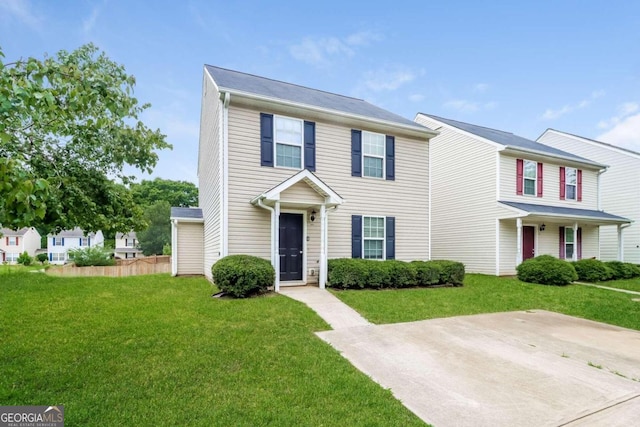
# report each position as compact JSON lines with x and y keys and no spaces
{"x":128,"y":267}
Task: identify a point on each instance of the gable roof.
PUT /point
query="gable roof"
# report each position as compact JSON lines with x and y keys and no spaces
{"x":510,"y":140}
{"x":331,"y":197}
{"x":595,"y":141}
{"x":243,"y":83}
{"x":129,"y":235}
{"x":9,"y":232}
{"x":186,"y":213}
{"x":76,"y":232}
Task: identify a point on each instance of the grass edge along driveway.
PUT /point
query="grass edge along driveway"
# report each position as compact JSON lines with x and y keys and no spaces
{"x":157,"y":350}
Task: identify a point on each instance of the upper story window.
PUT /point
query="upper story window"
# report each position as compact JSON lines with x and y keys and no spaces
{"x":84,"y":241}
{"x":130,"y":243}
{"x":373,"y":242}
{"x":373,"y":154}
{"x":12,"y":241}
{"x":58,"y":241}
{"x":288,"y":142}
{"x":571,"y":183}
{"x":530,"y":177}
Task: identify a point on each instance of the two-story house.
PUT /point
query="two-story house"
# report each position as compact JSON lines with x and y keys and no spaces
{"x":298,"y":175}
{"x":58,"y":245}
{"x":15,"y":242}
{"x":498,"y":199}
{"x":126,"y":246}
{"x":620,"y":189}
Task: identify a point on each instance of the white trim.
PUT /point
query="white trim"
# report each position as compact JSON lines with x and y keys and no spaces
{"x":519,"y":241}
{"x":375,"y":156}
{"x":331,"y":197}
{"x":276,"y":238}
{"x":524,"y":178}
{"x":304,"y":244}
{"x":224,"y":232}
{"x":463,"y":132}
{"x":182,"y":219}
{"x":384,"y":236}
{"x":221,"y":162}
{"x":275,"y":142}
{"x":429,"y":199}
{"x":322,"y":273}
{"x":566,"y":184}
{"x":498,"y":161}
{"x":174,"y":247}
{"x":497,"y":246}
{"x":535,"y":237}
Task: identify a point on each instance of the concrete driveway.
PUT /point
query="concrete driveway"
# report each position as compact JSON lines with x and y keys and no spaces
{"x":533,"y":368}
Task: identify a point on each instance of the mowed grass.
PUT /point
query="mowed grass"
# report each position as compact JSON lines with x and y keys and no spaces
{"x":489,"y":294}
{"x":156,"y":350}
{"x":630,"y":284}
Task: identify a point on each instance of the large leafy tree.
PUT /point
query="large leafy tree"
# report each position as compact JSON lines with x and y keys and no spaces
{"x":69,"y":126}
{"x":158,"y":233}
{"x":176,"y":193}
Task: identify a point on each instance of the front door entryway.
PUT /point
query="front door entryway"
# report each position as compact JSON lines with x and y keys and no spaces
{"x":291,"y":246}
{"x":528,"y":242}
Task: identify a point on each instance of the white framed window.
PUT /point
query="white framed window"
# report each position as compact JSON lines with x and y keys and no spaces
{"x":57,"y":241}
{"x":288,"y":138}
{"x":12,"y":257}
{"x":569,"y":243}
{"x":571,"y":183}
{"x":84,"y":241}
{"x":530,"y":177}
{"x":373,"y":241}
{"x":130,"y":243}
{"x":13,"y":241}
{"x":55,"y":256}
{"x":373,"y":154}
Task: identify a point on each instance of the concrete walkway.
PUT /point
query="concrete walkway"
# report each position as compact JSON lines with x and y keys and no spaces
{"x":527,"y":368}
{"x":331,"y":309}
{"x":626,"y":291}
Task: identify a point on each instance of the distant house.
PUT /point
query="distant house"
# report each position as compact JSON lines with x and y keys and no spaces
{"x":13,"y":243}
{"x":58,"y":245}
{"x":297,"y":176}
{"x":498,"y":199}
{"x":619,"y":188}
{"x":127,"y":246}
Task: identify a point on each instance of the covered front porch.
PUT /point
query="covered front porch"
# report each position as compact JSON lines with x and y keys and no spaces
{"x":566,"y":233}
{"x":299,"y":210}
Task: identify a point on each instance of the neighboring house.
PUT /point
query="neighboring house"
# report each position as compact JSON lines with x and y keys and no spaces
{"x":187,"y":241}
{"x":58,"y":245}
{"x":620,"y":189}
{"x":13,"y":243}
{"x":297,"y":175}
{"x":498,"y":199}
{"x":127,"y":246}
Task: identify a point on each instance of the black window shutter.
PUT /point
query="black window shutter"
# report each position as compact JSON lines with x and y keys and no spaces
{"x":390,"y":229}
{"x":356,"y":152}
{"x":310,"y":146}
{"x":266,"y":139}
{"x":391,"y":158}
{"x":356,"y":236}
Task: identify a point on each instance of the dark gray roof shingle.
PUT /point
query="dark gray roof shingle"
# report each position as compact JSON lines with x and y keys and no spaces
{"x":510,"y":140}
{"x":190,"y":213}
{"x":235,"y":80}
{"x":560,"y":210}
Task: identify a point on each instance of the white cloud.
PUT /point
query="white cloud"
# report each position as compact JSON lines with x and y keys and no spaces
{"x":22,"y":10}
{"x":90,"y":22}
{"x":388,"y":79}
{"x":467,"y":106}
{"x":625,"y":133}
{"x":416,"y":97}
{"x":624,"y":110}
{"x":480,"y":87}
{"x":320,"y":51}
{"x":551,"y":114}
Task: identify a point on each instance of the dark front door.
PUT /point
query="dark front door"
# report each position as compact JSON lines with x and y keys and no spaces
{"x":528,"y":242}
{"x":290,"y":246}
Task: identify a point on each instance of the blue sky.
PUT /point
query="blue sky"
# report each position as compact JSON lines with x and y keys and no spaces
{"x":517,"y":66}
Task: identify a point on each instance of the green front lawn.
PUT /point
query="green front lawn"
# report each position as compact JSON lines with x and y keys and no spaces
{"x":489,"y":294}
{"x":630,"y":284}
{"x":156,"y":350}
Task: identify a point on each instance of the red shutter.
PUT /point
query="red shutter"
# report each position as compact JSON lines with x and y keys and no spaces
{"x":539,"y":179}
{"x":579,"y":185}
{"x":7,"y":240}
{"x":561,"y":241}
{"x":579,"y":243}
{"x":562,"y":183}
{"x":519,"y":176}
{"x":17,"y":241}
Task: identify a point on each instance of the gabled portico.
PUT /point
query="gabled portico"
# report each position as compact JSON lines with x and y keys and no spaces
{"x":294,"y":203}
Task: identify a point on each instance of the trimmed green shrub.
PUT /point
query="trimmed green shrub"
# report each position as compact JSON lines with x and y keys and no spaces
{"x":623,"y":270}
{"x":378,"y":274}
{"x":401,"y":274}
{"x":592,"y":270}
{"x":427,"y":272}
{"x":24,"y":258}
{"x":42,"y":258}
{"x":452,"y":272}
{"x":347,"y":273}
{"x":243,"y":275}
{"x":547,"y":270}
{"x":95,"y":255}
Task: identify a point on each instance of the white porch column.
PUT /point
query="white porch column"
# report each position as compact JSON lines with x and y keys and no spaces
{"x":620,"y":244}
{"x":276,"y":252}
{"x":323,"y":248}
{"x":575,"y":242}
{"x":519,"y":241}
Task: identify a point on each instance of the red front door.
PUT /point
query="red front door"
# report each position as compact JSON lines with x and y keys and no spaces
{"x":528,"y":242}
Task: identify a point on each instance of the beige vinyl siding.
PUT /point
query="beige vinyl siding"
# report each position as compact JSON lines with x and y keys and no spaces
{"x":190,"y":248}
{"x":210,"y":175}
{"x":620,"y":190}
{"x":406,"y":198}
{"x":550,"y":184}
{"x":508,"y":247}
{"x":463,"y":197}
{"x":301,"y":192}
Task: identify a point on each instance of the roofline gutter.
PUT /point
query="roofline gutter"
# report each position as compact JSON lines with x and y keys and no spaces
{"x":511,"y":149}
{"x":414,"y":129}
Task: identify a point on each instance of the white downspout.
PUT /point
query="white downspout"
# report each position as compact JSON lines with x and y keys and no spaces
{"x":574,"y":257}
{"x":600,"y":172}
{"x":519,"y":241}
{"x":225,"y":176}
{"x":325,"y":268}
{"x":621,"y":241}
{"x":323,"y":248}
{"x":273,"y":235}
